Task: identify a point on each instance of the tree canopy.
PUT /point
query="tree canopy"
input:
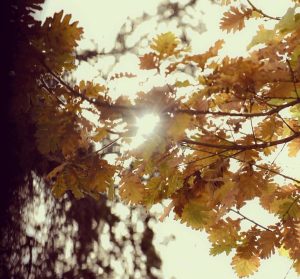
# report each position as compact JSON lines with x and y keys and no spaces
{"x":221,"y":119}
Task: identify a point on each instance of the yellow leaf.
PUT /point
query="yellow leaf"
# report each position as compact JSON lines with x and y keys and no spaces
{"x":224,"y":236}
{"x":263,"y":36}
{"x":295,"y":57}
{"x":184,"y":83}
{"x":90,"y":89}
{"x":195,"y":214}
{"x":256,"y":15}
{"x":289,"y":21}
{"x":165,"y":44}
{"x":285,"y":208}
{"x":58,"y":41}
{"x":59,"y":187}
{"x":177,"y":126}
{"x":175,"y":182}
{"x":153,"y":145}
{"x":131,"y":189}
{"x":245,"y":267}
{"x":154,"y":190}
{"x":294,"y":147}
{"x":284,"y":252}
{"x":101,"y":133}
{"x":201,"y":59}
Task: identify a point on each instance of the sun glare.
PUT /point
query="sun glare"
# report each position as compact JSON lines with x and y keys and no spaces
{"x":145,"y":126}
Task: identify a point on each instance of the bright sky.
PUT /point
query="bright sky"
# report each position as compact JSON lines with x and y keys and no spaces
{"x":187,"y":257}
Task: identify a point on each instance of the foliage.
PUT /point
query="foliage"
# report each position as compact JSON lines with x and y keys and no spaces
{"x":202,"y":157}
{"x":34,"y":247}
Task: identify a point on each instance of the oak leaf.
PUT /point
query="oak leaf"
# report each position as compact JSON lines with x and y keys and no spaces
{"x":263,"y":36}
{"x":294,"y":147}
{"x":131,"y":189}
{"x":195,"y":214}
{"x":224,"y":236}
{"x":149,"y":61}
{"x":245,"y":267}
{"x":177,"y":126}
{"x":267,"y":243}
{"x":165,"y":44}
{"x":201,"y":59}
{"x":234,"y":19}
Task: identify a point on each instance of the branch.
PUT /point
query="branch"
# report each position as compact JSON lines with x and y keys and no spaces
{"x":261,"y":12}
{"x":92,"y":101}
{"x":44,"y":85}
{"x":107,"y":145}
{"x":250,"y":163}
{"x":283,"y":120}
{"x":212,"y":154}
{"x":251,"y":122}
{"x":250,"y":220}
{"x":101,"y":149}
{"x":243,"y":147}
{"x":238,"y":114}
{"x":186,"y":111}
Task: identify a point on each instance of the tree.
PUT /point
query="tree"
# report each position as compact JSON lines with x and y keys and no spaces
{"x":61,"y":242}
{"x":202,"y":156}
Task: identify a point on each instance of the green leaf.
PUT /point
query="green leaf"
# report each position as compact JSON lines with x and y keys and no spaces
{"x":290,"y":21}
{"x":184,"y":83}
{"x":195,"y":214}
{"x":218,"y":249}
{"x":263,"y":36}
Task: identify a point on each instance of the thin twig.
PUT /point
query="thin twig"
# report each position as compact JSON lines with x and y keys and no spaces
{"x":252,"y":164}
{"x":243,"y":147}
{"x":293,"y":77}
{"x":272,"y":163}
{"x":261,"y":12}
{"x":107,"y":145}
{"x":253,"y":134}
{"x":207,"y":157}
{"x":289,"y":208}
{"x":282,"y":119}
{"x":250,"y":220}
{"x":290,"y":268}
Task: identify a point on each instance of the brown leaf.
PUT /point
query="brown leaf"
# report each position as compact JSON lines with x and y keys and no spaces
{"x":267,"y":243}
{"x":234,"y":19}
{"x":149,"y":61}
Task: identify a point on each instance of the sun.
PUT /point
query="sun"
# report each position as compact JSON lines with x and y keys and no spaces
{"x":145,"y":126}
